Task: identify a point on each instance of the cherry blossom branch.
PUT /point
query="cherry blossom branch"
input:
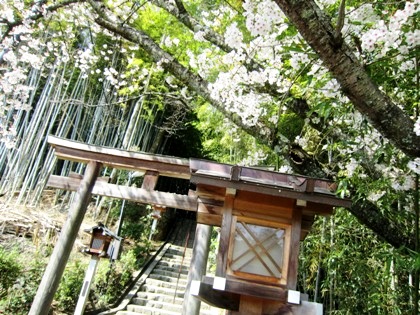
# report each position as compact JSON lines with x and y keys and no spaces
{"x":170,"y":64}
{"x":391,"y":121}
{"x":37,"y":13}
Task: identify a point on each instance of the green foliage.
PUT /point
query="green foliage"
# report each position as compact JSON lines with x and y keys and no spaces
{"x":112,"y":279}
{"x":358,"y":274}
{"x":20,"y":279}
{"x":70,"y":286}
{"x":186,"y":142}
{"x":10,"y":270}
{"x":214,"y":246}
{"x":290,"y":125}
{"x":136,"y":219}
{"x":20,"y":296}
{"x":136,"y":224}
{"x":224,"y":142}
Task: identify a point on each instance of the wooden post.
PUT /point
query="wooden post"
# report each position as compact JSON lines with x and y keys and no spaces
{"x":201,"y":247}
{"x":225,"y":233}
{"x":150,"y":180}
{"x":292,"y":270}
{"x":250,"y":306}
{"x":87,"y":282}
{"x":54,"y":271}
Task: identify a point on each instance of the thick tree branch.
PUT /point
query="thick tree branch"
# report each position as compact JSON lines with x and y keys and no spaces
{"x":181,"y":14}
{"x":387,"y":229}
{"x":367,"y":213}
{"x":170,"y":64}
{"x":391,"y":121}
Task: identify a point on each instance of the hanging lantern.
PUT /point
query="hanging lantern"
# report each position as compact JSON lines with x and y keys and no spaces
{"x":157,"y":212}
{"x":101,"y":238}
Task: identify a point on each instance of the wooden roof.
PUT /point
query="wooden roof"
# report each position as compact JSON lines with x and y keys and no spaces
{"x":266,"y":182}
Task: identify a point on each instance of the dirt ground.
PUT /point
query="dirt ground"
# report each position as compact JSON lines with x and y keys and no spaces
{"x":32,"y":228}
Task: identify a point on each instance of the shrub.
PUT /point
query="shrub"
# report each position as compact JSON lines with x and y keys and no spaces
{"x":10,"y":270}
{"x":70,"y":286}
{"x":20,"y":296}
{"x":111,"y":279}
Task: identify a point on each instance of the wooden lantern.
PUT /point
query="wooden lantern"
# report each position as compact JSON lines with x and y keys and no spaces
{"x":263,"y":215}
{"x":101,"y":238}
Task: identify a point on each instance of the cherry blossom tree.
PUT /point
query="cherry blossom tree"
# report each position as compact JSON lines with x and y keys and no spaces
{"x":347,"y":72}
{"x":255,"y":61}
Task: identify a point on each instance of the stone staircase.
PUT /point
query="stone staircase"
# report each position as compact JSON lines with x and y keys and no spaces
{"x":160,"y":291}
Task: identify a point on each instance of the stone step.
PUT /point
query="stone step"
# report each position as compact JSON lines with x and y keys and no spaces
{"x":167,"y":306}
{"x":167,"y":265}
{"x":161,"y":284}
{"x":173,"y":273}
{"x":146,"y":310}
{"x":170,"y":291}
{"x":179,"y":247}
{"x":175,"y":263}
{"x":175,"y":257}
{"x":180,"y":251}
{"x":163,"y":291}
{"x":167,"y":279}
{"x":157,"y":297}
{"x":205,"y":308}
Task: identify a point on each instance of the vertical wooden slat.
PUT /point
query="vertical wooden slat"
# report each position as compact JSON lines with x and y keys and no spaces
{"x":222,"y":256}
{"x":294,"y":248}
{"x":150,"y":180}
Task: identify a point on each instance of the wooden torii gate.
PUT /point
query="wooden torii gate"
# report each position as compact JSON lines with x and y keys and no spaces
{"x":263,"y":215}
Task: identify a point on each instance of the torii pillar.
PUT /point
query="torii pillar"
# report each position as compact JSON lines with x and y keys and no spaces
{"x":58,"y":261}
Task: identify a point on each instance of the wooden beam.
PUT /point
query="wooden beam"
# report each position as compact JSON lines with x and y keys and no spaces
{"x":209,"y":219}
{"x":150,"y":180}
{"x":222,"y":256}
{"x":211,"y":192}
{"x":269,"y":205}
{"x":128,"y":193}
{"x":198,"y":266}
{"x":269,"y":292}
{"x":221,"y":299}
{"x":250,"y":305}
{"x":80,"y":152}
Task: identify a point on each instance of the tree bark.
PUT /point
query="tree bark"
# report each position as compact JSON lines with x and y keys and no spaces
{"x":390,"y":120}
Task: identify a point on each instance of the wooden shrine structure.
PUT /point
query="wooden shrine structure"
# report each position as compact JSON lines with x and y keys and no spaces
{"x":262,"y":216}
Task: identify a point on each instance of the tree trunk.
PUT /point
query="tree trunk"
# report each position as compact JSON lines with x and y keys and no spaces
{"x":315,"y":27}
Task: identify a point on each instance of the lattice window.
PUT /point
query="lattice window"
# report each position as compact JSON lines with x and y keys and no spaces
{"x":97,"y":243}
{"x":258,"y":250}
